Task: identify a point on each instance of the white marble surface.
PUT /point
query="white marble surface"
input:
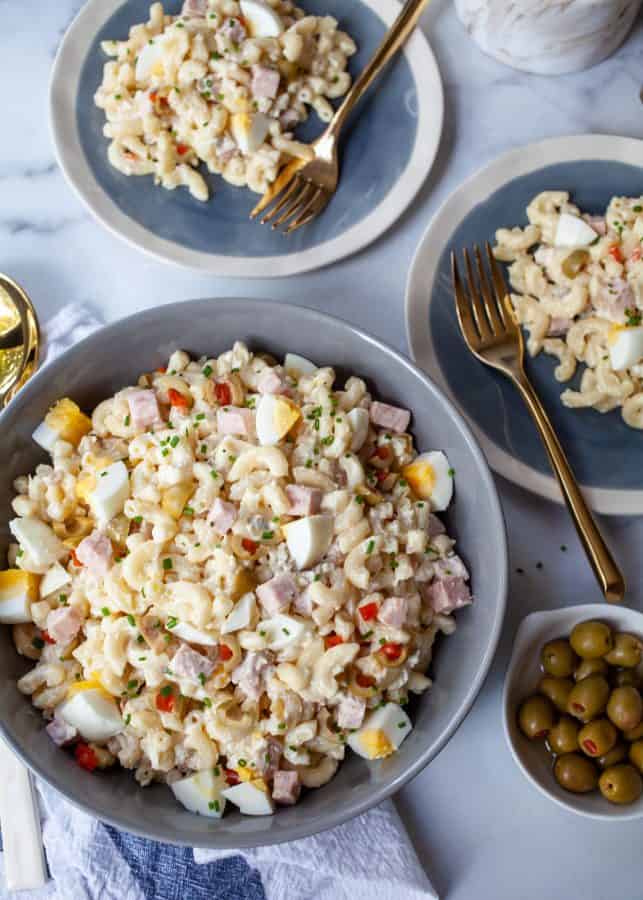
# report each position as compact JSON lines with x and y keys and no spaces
{"x":480,"y":829}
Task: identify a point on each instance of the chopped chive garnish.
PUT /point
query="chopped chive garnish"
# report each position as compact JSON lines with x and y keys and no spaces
{"x":166,"y":691}
{"x":167,"y":563}
{"x":172,"y":622}
{"x":131,"y":619}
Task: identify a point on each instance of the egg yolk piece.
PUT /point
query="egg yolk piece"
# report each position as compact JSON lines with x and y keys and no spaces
{"x":421,"y":476}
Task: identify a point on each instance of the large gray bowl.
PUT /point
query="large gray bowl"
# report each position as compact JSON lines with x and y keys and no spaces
{"x":114,"y":357}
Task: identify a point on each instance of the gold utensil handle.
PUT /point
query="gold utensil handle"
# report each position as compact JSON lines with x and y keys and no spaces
{"x":393,"y":40}
{"x":607,"y":572}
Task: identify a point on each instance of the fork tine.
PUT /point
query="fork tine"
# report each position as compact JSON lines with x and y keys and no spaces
{"x":490,"y":304}
{"x":281,"y":199}
{"x":298,"y":200}
{"x":463,"y":307}
{"x":308,"y":212}
{"x":476,"y":302}
{"x":500,"y":289}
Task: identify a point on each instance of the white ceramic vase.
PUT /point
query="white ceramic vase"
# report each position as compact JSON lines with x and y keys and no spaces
{"x":549,"y":37}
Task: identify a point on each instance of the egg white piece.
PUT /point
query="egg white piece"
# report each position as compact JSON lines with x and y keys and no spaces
{"x":263,"y":22}
{"x":298,"y":365}
{"x":95,"y":715}
{"x":194,"y":635}
{"x":282,"y":631}
{"x":431,"y":478}
{"x":112,"y":490}
{"x":249,"y":130}
{"x":45,"y":436}
{"x":309,"y":538}
{"x":358,"y":419}
{"x":626,"y":347}
{"x":54,"y":580}
{"x":275,"y":417}
{"x":17,"y":592}
{"x":382,"y":732}
{"x":573,"y":232}
{"x":251,"y":800}
{"x":38,"y":540}
{"x":150,"y":59}
{"x":241,"y":615}
{"x":202,"y":793}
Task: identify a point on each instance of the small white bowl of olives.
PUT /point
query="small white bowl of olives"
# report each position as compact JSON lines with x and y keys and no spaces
{"x":573,"y":708}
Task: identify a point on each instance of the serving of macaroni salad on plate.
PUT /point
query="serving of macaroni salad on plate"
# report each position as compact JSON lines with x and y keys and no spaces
{"x":229,"y":573}
{"x":224,"y":83}
{"x":579,"y":292}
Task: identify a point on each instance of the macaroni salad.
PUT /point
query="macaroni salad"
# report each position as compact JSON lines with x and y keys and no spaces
{"x":224,"y":83}
{"x":579,"y":293}
{"x":228,"y":574}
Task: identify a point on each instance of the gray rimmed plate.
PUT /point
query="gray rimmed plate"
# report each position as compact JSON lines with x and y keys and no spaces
{"x":387,"y":153}
{"x":115,"y":356}
{"x":604,"y":452}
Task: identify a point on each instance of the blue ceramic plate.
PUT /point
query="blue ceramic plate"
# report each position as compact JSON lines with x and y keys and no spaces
{"x":387,"y":153}
{"x":604,"y":453}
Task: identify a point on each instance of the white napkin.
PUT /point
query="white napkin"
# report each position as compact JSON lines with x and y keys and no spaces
{"x":368,"y":858}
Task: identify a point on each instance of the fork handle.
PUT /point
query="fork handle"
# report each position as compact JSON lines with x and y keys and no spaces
{"x":607,"y":572}
{"x":393,"y":40}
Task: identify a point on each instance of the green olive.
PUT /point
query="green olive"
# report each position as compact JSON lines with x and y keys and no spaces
{"x":617,"y":754}
{"x":636,"y":755}
{"x":621,"y":784}
{"x":573,"y":263}
{"x":621,"y":677}
{"x":575,"y":773}
{"x":634,"y":734}
{"x":588,"y":698}
{"x":536,"y":716}
{"x":557,"y":690}
{"x":597,"y":738}
{"x":592,"y":639}
{"x":625,"y":707}
{"x":588,"y":667}
{"x":558,"y":658}
{"x":563,"y":737}
{"x":626,"y":651}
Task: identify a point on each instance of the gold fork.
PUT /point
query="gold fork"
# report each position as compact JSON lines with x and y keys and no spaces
{"x":490,"y":330}
{"x":303,"y":188}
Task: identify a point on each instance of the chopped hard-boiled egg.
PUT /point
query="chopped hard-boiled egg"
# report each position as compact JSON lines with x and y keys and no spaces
{"x":431,"y":478}
{"x":383,"y":731}
{"x":261,"y":19}
{"x":65,"y":422}
{"x":298,"y":365}
{"x":112,"y":490}
{"x":38,"y":541}
{"x":92,"y":710}
{"x":625,"y":346}
{"x":249,"y":130}
{"x":18,"y":590}
{"x":175,"y":498}
{"x":54,"y":580}
{"x":194,"y":635}
{"x":281,"y":631}
{"x":308,"y":539}
{"x":251,"y":797}
{"x":150,"y":61}
{"x":573,"y":232}
{"x":358,"y":419}
{"x":241,"y":615}
{"x":202,"y":793}
{"x":276,"y":415}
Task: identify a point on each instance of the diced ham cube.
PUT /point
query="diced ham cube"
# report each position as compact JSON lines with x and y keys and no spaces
{"x":60,"y":732}
{"x":350,"y":712}
{"x":435,"y":526}
{"x":558,"y":326}
{"x":271,"y":383}
{"x":235,"y":420}
{"x":144,"y":409}
{"x":277,"y":594}
{"x":304,"y":501}
{"x":451,"y":567}
{"x":612,"y":298}
{"x":393,"y":612}
{"x":267,"y":759}
{"x":598,"y":223}
{"x":63,"y":624}
{"x":448,"y":594}
{"x":265,"y":82}
{"x":392,"y":418}
{"x":151,"y":627}
{"x":194,"y":8}
{"x":286,"y":788}
{"x":233,"y":30}
{"x":303,"y":604}
{"x":222,"y":516}
{"x":95,"y":553}
{"x":250,"y":674}
{"x":188,"y":664}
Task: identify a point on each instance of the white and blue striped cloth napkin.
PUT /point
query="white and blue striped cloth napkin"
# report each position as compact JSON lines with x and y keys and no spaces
{"x":368,"y":858}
